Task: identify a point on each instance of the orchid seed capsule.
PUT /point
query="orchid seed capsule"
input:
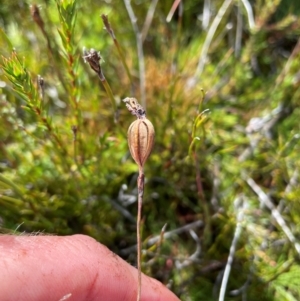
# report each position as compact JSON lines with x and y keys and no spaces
{"x":140,"y":140}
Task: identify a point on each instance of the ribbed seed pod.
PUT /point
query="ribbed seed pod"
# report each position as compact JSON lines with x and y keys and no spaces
{"x":140,"y":140}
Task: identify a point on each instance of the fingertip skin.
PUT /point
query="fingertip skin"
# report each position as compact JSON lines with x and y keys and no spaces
{"x":75,"y":268}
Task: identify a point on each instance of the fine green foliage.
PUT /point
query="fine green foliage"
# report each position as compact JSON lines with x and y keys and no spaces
{"x":224,"y":102}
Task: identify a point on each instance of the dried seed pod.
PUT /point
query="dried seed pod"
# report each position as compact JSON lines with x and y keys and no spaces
{"x":140,"y":140}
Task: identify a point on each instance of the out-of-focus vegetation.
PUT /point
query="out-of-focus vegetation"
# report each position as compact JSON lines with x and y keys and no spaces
{"x":229,"y":174}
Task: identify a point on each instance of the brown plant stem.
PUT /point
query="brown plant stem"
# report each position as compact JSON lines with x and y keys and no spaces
{"x":173,"y":9}
{"x":140,"y":184}
{"x":74,"y":130}
{"x":140,"y":137}
{"x":200,"y":192}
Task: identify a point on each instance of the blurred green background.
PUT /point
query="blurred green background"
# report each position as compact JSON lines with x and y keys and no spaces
{"x":224,"y":172}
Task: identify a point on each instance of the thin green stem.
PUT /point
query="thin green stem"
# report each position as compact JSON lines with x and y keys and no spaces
{"x":120,"y":52}
{"x":122,"y":57}
{"x":15,"y":188}
{"x":13,"y":201}
{"x":109,"y":93}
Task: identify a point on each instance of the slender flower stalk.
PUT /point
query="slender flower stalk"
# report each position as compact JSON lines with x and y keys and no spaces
{"x":53,"y":54}
{"x":121,"y":54}
{"x":140,"y":140}
{"x":93,"y":58}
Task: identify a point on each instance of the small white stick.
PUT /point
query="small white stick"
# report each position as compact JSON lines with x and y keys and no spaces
{"x":249,"y":13}
{"x":237,"y":233}
{"x":210,"y":36}
{"x":265,"y":200}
